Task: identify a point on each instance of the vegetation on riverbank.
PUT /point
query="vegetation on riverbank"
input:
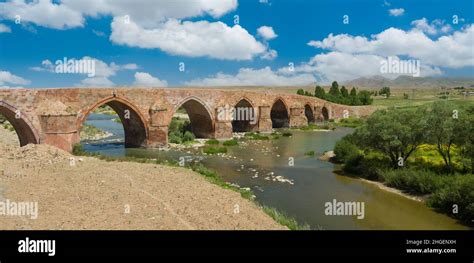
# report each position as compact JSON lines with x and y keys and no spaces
{"x":90,"y":132}
{"x":179,"y":131}
{"x":425,"y":151}
{"x":210,"y":175}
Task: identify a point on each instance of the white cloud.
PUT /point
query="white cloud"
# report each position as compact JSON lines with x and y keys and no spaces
{"x":96,"y":82}
{"x":147,"y":80}
{"x":148,"y":13}
{"x":396,"y":11}
{"x":153,"y":24}
{"x":5,"y":29}
{"x":254,"y":77}
{"x":43,"y":13}
{"x":7,"y":78}
{"x":269,"y":55}
{"x":266,"y":32}
{"x":453,"y":51}
{"x":151,"y":13}
{"x":193,"y":39}
{"x":433,"y":28}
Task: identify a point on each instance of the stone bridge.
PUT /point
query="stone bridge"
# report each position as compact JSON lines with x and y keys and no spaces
{"x":56,"y":116}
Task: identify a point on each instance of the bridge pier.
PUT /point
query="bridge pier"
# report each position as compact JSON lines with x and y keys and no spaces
{"x":223,"y":130}
{"x":60,"y":131}
{"x":265,"y":121}
{"x":297,"y":117}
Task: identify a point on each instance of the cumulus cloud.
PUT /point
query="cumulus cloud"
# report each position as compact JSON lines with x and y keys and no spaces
{"x":266,"y":32}
{"x":452,"y":51}
{"x":43,"y":13}
{"x":350,"y":57}
{"x":193,"y":39}
{"x":147,"y":80}
{"x":7,"y":79}
{"x":396,"y":11}
{"x":5,"y":29}
{"x":254,"y":77}
{"x":433,"y":28}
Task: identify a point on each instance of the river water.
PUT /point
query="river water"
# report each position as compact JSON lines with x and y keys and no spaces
{"x":311,"y":182}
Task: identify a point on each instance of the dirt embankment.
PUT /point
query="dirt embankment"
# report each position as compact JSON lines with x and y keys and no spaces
{"x":87,"y":193}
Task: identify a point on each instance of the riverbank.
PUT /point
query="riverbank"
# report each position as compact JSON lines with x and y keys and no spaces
{"x":87,"y":193}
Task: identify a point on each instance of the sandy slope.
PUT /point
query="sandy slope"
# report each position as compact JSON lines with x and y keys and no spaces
{"x":95,"y":194}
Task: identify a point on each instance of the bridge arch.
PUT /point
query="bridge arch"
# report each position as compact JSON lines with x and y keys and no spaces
{"x":200,"y":116}
{"x":246,"y":118}
{"x":280,"y":114}
{"x":134,"y":124}
{"x":325,"y":113}
{"x":309,"y":113}
{"x":21,"y":123}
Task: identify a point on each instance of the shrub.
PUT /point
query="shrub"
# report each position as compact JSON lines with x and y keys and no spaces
{"x":231,"y":142}
{"x":309,"y":153}
{"x":345,"y":150}
{"x":414,"y":181}
{"x":212,"y":142}
{"x":460,"y":192}
{"x":214,"y":150}
{"x":174,"y":137}
{"x":188,"y":136}
{"x":287,"y":134}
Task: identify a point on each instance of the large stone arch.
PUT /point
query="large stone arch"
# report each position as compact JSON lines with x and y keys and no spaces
{"x":200,"y":116}
{"x":280,"y":114}
{"x":24,"y":129}
{"x":246,"y":117}
{"x":309,"y":113}
{"x":134,"y":124}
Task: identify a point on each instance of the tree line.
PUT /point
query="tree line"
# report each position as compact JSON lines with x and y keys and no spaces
{"x":340,"y":95}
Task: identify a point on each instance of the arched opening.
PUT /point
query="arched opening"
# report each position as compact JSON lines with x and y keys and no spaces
{"x":244,"y":117}
{"x":325,"y":114}
{"x":308,"y":112}
{"x":279,"y":115}
{"x":114,"y":121}
{"x":11,"y":119}
{"x":191,"y":120}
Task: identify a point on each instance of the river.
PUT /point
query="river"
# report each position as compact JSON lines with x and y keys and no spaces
{"x":313,"y":182}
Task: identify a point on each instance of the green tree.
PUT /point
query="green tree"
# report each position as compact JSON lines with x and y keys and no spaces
{"x":364,"y":97}
{"x":319,"y":92}
{"x":300,"y":92}
{"x":396,"y":133}
{"x":385,"y":91}
{"x":344,"y":92}
{"x":354,"y":100}
{"x":334,"y":90}
{"x":448,"y":127}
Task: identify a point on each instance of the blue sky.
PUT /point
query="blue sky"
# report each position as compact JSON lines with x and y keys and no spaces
{"x":309,"y":34}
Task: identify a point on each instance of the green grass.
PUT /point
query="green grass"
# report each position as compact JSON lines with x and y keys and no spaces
{"x":309,"y":153}
{"x":214,"y":150}
{"x":287,"y":134}
{"x":285,"y":220}
{"x":232,"y":142}
{"x":351,"y":122}
{"x":256,"y":136}
{"x":212,"y":142}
